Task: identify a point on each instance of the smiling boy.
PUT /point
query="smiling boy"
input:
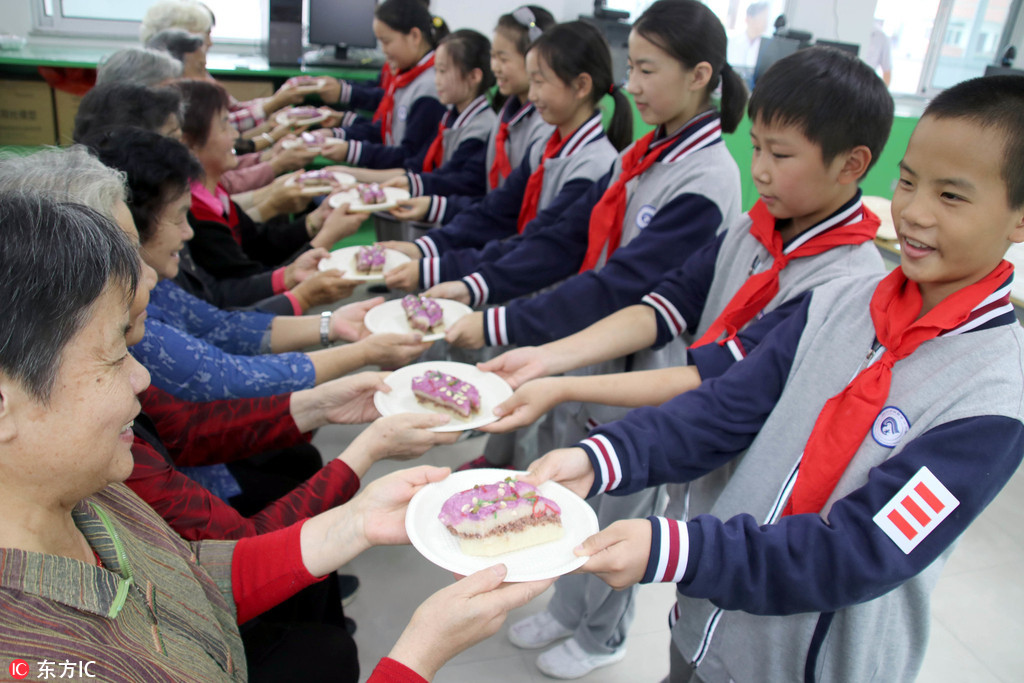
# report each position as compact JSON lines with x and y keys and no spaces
{"x":819,"y":556}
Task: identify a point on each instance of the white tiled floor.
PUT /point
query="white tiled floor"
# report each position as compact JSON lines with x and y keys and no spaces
{"x":977,"y":625}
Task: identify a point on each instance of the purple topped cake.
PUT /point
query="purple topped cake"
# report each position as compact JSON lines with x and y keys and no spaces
{"x":320,"y":178}
{"x":370,"y":259}
{"x":440,"y":390}
{"x":303,"y":113}
{"x":502,"y":517}
{"x":423,"y":313}
{"x":371,"y":193}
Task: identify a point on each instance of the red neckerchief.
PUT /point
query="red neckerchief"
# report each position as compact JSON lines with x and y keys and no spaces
{"x":607,"y":216}
{"x":502,"y":167}
{"x":394,"y":83}
{"x":435,"y":153}
{"x":556,"y":146}
{"x":761,"y":287}
{"x":847,"y":416}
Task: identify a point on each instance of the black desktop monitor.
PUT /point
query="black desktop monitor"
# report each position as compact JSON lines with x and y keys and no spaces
{"x":1002,"y":71}
{"x":852,"y":48}
{"x":342,"y":23}
{"x":771,"y":51}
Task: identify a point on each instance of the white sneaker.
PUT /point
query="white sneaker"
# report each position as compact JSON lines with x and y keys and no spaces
{"x":537,"y":631}
{"x":569,"y":660}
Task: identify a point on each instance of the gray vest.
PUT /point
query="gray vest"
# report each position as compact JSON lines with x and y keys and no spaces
{"x":709,"y":172}
{"x":946,"y":379}
{"x":423,"y":86}
{"x":476,"y":128}
{"x":590,"y":162}
{"x":521,"y":135}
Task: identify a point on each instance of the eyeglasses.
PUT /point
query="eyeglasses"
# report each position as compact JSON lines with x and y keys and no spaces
{"x":524,"y":17}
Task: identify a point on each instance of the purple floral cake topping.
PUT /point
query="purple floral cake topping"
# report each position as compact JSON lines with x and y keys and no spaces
{"x":490,"y":500}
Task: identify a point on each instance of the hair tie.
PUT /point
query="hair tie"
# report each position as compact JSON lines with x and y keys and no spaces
{"x":437,"y":22}
{"x":611,"y":89}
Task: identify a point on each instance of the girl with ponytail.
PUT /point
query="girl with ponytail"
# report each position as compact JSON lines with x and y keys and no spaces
{"x":406,"y":118}
{"x":569,"y":70}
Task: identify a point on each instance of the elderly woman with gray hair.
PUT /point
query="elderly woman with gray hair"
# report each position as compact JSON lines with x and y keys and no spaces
{"x":89,"y":572}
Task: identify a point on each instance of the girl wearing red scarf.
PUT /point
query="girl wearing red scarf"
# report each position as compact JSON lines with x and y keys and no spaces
{"x":406,"y":119}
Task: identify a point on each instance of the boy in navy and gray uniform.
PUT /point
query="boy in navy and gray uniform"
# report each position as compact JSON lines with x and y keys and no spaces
{"x":811,"y":227}
{"x":875,"y":423}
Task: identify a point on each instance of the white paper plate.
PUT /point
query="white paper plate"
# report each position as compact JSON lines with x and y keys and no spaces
{"x":342,"y":178}
{"x":390,"y":317}
{"x":309,"y":87}
{"x":325,"y":142}
{"x":882,"y":208}
{"x":493,"y":390}
{"x":342,"y":259}
{"x":393,"y":195}
{"x":433,"y":540}
{"x":283,"y":119}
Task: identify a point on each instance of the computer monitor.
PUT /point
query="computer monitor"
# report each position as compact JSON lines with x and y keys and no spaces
{"x":771,"y":51}
{"x":342,"y":23}
{"x":852,"y":48}
{"x":1002,"y":71}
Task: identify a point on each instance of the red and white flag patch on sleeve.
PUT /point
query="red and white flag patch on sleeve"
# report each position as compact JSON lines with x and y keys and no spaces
{"x":916,"y":510}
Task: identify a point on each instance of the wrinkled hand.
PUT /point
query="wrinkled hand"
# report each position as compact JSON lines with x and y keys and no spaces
{"x":618,"y":554}
{"x":349,"y":400}
{"x":293,"y":158}
{"x":519,"y":366}
{"x":412,"y":209}
{"x":459,"y":616}
{"x":407,"y":248}
{"x":467,"y":332}
{"x":304,"y":266}
{"x":392,"y":349}
{"x":339,"y":223}
{"x":347,"y":321}
{"x":324,"y":288}
{"x":284,"y":197}
{"x":380,"y":507}
{"x":406,"y":435}
{"x":570,"y":467}
{"x":399,"y":181}
{"x":525,"y":406}
{"x":456,"y":290}
{"x":404,"y":277}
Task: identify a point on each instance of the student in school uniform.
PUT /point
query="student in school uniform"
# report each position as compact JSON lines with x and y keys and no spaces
{"x":665,"y":197}
{"x":570,"y":70}
{"x":518,"y":125}
{"x":407,"y":116}
{"x":875,"y":423}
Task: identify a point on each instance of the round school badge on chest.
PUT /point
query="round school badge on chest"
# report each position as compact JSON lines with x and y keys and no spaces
{"x":890,"y":426}
{"x":403,"y":113}
{"x":644,"y":216}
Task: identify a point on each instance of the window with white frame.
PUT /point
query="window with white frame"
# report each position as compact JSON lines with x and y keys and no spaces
{"x":121,"y":18}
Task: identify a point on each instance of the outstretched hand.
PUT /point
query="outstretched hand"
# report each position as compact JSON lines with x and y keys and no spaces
{"x":519,"y":366}
{"x":570,"y":467}
{"x":618,"y":555}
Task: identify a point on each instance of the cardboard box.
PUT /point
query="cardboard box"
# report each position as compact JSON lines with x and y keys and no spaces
{"x":26,"y":113}
{"x":65,"y":106}
{"x":247,"y":89}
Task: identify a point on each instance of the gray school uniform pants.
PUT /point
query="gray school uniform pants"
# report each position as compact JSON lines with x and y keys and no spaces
{"x":600,"y":615}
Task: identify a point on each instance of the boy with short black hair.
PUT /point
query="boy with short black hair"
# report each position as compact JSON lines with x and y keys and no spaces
{"x":809,"y":227}
{"x":819,"y":556}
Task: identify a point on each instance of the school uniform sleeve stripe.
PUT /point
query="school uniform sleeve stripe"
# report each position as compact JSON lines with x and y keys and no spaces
{"x":427,"y":247}
{"x":415,"y":183}
{"x":669,"y":549}
{"x":438,"y":205}
{"x":355,"y":150}
{"x":345,"y":94}
{"x":736,"y":349}
{"x":477,"y":288}
{"x":430,"y":272}
{"x":668,"y":312}
{"x":607,"y":468}
{"x":495,"y":332}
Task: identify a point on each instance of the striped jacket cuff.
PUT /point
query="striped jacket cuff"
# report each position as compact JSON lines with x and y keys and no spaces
{"x":415,"y":183}
{"x":345,"y":93}
{"x":355,"y":151}
{"x":667,"y":312}
{"x":430,"y":272}
{"x":670,"y":547}
{"x":348,"y":118}
{"x":478,"y":290}
{"x":438,"y":205}
{"x":427,"y":247}
{"x":495,"y":330}
{"x":607,"y":468}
